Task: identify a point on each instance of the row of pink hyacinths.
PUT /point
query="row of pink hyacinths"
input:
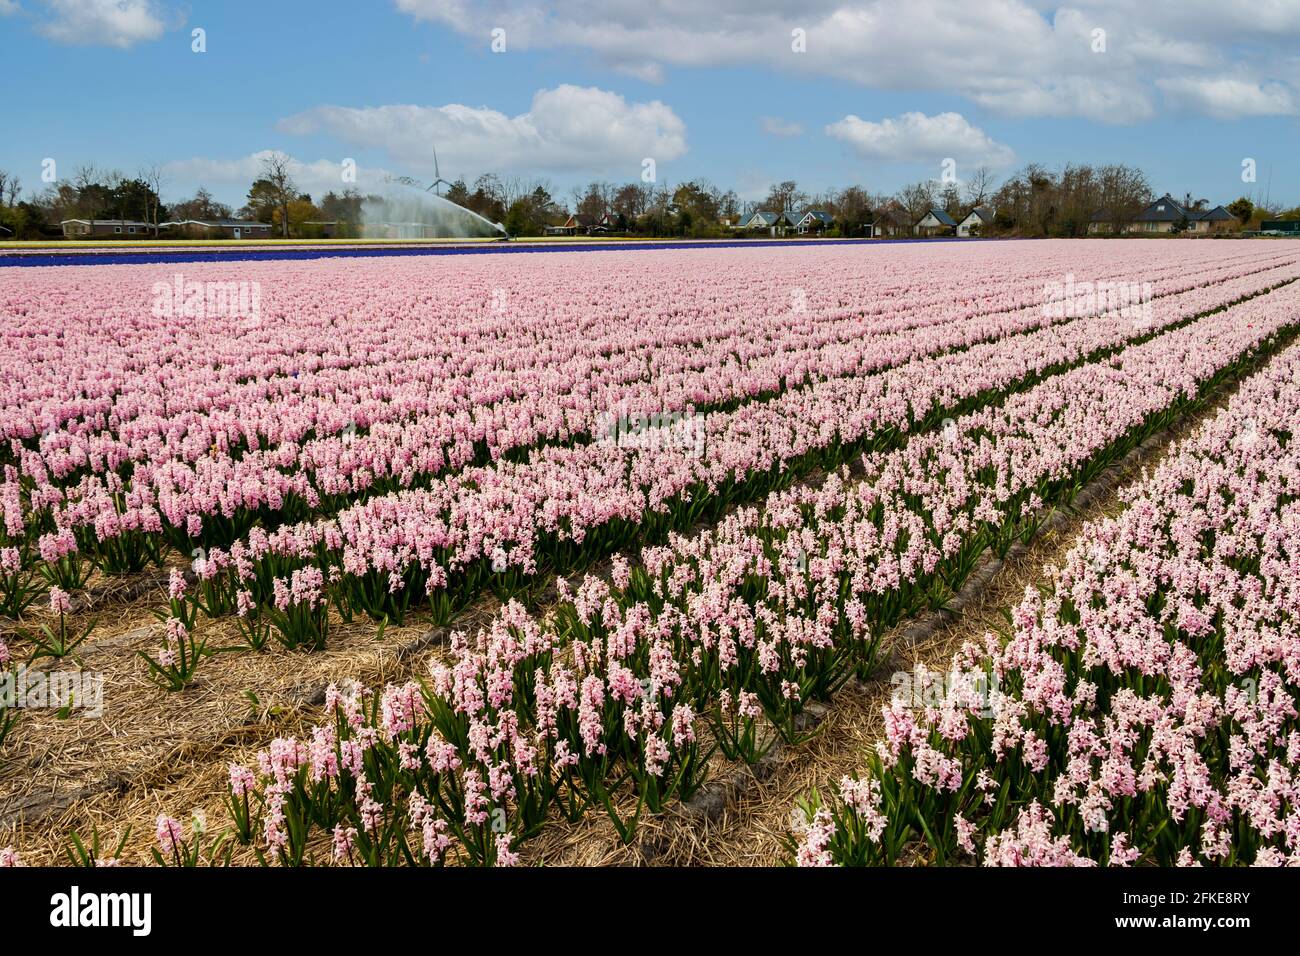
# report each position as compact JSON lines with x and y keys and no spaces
{"x":601,"y":705}
{"x":566,"y":307}
{"x":506,"y":515}
{"x":286,"y":438}
{"x":1143,"y":705}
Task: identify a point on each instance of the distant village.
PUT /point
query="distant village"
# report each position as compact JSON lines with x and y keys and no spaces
{"x":1075,"y":201}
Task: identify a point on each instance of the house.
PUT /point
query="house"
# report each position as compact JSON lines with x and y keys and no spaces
{"x":113,"y":228}
{"x":892,"y":221}
{"x":814,"y":220}
{"x":936,"y":222}
{"x":776,"y":223}
{"x":977,"y":222}
{"x":581,"y":224}
{"x":1103,"y":221}
{"x":1214,"y":220}
{"x":219,"y":229}
{"x":1163,"y":215}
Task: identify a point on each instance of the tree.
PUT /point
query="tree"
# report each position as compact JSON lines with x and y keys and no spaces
{"x":343,"y":209}
{"x":950,"y":200}
{"x":299,"y":211}
{"x":85,"y":179}
{"x":458,"y":193}
{"x":262,"y":202}
{"x":26,"y":220}
{"x":784,"y":197}
{"x":852,"y":210}
{"x":696,"y":209}
{"x":917,"y":199}
{"x":202,"y":207}
{"x":279,"y":185}
{"x":1242,"y":208}
{"x":152,"y":176}
{"x":979,"y":188}
{"x":631,"y":201}
{"x":488,"y":198}
{"x":594,"y":201}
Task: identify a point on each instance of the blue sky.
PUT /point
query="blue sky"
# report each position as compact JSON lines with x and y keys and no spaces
{"x":881,"y":92}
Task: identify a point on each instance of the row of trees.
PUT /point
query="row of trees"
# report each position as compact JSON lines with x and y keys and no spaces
{"x":1034,"y":201}
{"x":91,"y":194}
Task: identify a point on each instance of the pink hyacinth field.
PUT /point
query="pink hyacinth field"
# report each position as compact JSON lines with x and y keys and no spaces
{"x":825,"y":554}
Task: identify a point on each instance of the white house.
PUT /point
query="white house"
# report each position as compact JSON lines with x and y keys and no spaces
{"x":976,"y":223}
{"x":776,"y":223}
{"x":814,"y":220}
{"x":936,"y":222}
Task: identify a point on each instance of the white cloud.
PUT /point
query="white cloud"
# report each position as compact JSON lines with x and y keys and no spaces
{"x":567,"y":129}
{"x":119,"y":23}
{"x":996,"y":53}
{"x":9,"y":7}
{"x":1228,"y":97}
{"x":774,"y":126}
{"x":917,"y":138}
{"x":232,"y":177}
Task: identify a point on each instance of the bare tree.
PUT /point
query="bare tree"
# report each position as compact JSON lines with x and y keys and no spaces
{"x":14,"y":190}
{"x":980,"y":186}
{"x":85,"y":177}
{"x":917,"y":199}
{"x":785,"y":197}
{"x":152,"y":176}
{"x":275,"y":170}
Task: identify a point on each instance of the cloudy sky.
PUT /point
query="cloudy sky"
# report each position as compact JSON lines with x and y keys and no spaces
{"x":743,"y":92}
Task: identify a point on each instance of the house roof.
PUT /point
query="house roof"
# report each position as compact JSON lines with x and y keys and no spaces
{"x":1164,"y":209}
{"x":108,"y":222}
{"x":983,"y":213}
{"x":766,"y":218}
{"x":894,"y":215}
{"x":216,"y":223}
{"x":942,"y":216}
{"x":1102,"y":215}
{"x":1217,"y":214}
{"x":820,"y":215}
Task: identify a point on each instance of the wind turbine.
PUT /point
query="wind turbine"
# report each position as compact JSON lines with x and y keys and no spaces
{"x":438,"y":181}
{"x":433,"y":187}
